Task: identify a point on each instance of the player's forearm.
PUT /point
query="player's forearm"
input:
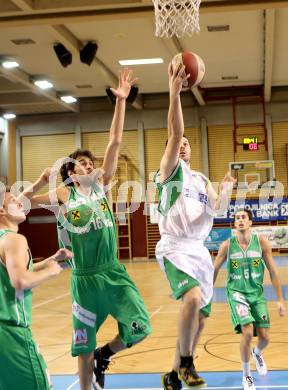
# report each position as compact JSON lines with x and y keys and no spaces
{"x":215,"y":275}
{"x":30,"y":191}
{"x":40,"y":265}
{"x":277,"y":286}
{"x":175,"y":117}
{"x":30,"y":280}
{"x":223,"y":200}
{"x":216,"y":270}
{"x":117,"y":124}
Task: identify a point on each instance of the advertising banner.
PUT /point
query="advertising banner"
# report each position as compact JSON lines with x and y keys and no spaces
{"x":216,"y":237}
{"x":263,"y":210}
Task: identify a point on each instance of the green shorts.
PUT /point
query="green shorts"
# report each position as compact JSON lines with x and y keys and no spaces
{"x":247,"y":309}
{"x":21,"y":364}
{"x":96,"y":296}
{"x":180,"y":283}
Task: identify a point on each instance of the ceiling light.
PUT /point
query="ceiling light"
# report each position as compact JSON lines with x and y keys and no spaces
{"x":68,"y":99}
{"x":9,"y":115}
{"x":43,"y":84}
{"x":10,"y":64}
{"x":144,"y":61}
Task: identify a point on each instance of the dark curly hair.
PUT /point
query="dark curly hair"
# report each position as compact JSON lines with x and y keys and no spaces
{"x":69,"y":166}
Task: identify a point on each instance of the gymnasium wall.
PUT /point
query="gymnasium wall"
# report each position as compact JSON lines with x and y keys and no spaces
{"x":44,"y":139}
{"x":280,"y":142}
{"x":42,"y":151}
{"x":3,"y":149}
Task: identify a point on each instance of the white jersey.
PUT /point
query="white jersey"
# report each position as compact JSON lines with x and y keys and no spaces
{"x":184,"y":206}
{"x":185,"y":220}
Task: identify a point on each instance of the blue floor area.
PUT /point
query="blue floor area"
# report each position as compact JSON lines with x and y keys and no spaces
{"x":215,"y":380}
{"x":219,"y":294}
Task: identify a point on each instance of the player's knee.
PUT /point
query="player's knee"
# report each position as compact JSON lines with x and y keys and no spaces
{"x":247,"y":333}
{"x":192,"y":298}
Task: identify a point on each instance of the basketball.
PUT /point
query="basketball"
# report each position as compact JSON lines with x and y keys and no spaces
{"x":193,"y":65}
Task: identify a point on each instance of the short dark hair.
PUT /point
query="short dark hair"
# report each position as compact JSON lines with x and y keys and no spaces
{"x":69,"y":166}
{"x":184,"y":136}
{"x":247,"y":211}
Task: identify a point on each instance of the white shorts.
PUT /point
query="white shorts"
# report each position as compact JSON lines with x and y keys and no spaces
{"x":191,"y":257}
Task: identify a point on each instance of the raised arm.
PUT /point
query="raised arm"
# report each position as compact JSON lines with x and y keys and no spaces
{"x":271,"y":266}
{"x":59,"y":194}
{"x":170,"y":158}
{"x":112,"y":151}
{"x":15,"y":252}
{"x":220,"y":258}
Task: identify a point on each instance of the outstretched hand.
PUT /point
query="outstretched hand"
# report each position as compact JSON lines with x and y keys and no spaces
{"x":177,"y":76}
{"x":45,"y":175}
{"x":227,"y":183}
{"x":125,"y":83}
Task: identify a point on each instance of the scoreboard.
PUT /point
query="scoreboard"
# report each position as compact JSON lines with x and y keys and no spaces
{"x":250,"y":143}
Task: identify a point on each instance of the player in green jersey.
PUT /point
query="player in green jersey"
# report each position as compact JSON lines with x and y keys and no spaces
{"x":100,"y":285}
{"x":21,"y":364}
{"x":247,"y":255}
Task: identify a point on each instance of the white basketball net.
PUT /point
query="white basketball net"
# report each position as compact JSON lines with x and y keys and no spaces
{"x":176,"y":17}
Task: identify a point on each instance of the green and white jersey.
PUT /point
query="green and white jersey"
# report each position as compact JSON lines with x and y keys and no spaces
{"x":15,"y":305}
{"x":245,"y":268}
{"x":88,"y":230}
{"x":184,"y":204}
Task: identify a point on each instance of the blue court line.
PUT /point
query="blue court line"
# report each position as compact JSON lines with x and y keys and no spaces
{"x":215,"y":381}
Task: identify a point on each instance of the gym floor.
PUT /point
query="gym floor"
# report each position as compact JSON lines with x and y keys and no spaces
{"x":140,"y":367}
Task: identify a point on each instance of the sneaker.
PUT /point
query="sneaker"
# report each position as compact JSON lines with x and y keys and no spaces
{"x":190,"y":377}
{"x":100,"y":366}
{"x":168,"y":384}
{"x":260,"y":363}
{"x":248,"y":383}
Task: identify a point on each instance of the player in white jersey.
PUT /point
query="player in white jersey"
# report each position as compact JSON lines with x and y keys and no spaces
{"x":187,"y":204}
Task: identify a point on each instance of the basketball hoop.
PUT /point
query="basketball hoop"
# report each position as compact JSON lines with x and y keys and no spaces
{"x":176,"y":17}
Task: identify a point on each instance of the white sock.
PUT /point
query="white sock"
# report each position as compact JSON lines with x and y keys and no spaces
{"x":246,"y":369}
{"x":257,"y":351}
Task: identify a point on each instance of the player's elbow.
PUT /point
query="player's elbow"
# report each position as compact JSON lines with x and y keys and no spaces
{"x":20,"y":283}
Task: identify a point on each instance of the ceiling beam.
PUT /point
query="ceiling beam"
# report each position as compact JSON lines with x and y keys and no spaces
{"x":23,"y":78}
{"x":131,"y":12}
{"x":198,"y":96}
{"x":9,"y":99}
{"x":72,"y":43}
{"x":269,"y":52}
{"x":24,"y":5}
{"x":73,"y":4}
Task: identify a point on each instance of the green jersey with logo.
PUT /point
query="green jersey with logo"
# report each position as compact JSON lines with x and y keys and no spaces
{"x":15,"y":305}
{"x":88,"y":229}
{"x":245,"y":268}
